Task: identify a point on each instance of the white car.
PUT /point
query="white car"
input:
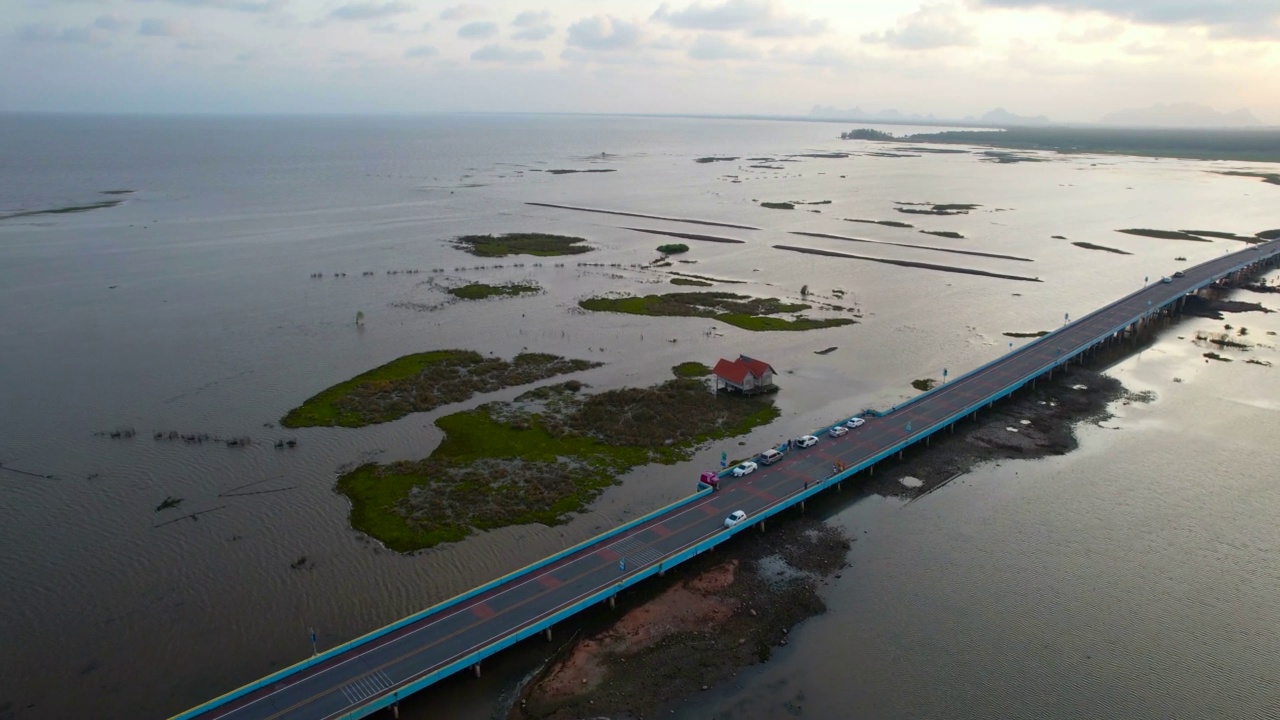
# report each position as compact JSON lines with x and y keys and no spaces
{"x":1166,"y":279}
{"x":838,"y":430}
{"x":734,"y":518}
{"x":745,"y":468}
{"x":805,"y":441}
{"x":855,"y":422}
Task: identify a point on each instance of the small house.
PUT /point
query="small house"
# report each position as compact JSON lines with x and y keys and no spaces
{"x":745,"y":375}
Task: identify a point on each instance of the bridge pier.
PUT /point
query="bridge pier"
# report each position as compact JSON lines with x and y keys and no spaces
{"x":547,"y":632}
{"x":761,"y":526}
{"x":613,"y":605}
{"x":476,"y":669}
{"x":899,"y":455}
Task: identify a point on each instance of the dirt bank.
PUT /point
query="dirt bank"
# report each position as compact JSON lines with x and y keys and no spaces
{"x":720,"y":612}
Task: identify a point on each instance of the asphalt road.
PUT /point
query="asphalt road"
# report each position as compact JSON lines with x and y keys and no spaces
{"x":381,"y":666}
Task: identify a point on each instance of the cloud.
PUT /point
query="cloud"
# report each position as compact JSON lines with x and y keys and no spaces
{"x":110,"y":23}
{"x":928,"y":28}
{"x":716,"y":47}
{"x":1229,"y":17}
{"x":421,"y":51}
{"x":462,"y":12}
{"x":534,"y":34}
{"x":758,"y":18}
{"x":531,"y":18}
{"x":1084,"y":34}
{"x":533,"y":26}
{"x":249,"y":6}
{"x":47,"y":33}
{"x":603,"y":32}
{"x":821,"y":56}
{"x":501,"y":54}
{"x":370,"y":10}
{"x":158,"y":27}
{"x":478,"y":30}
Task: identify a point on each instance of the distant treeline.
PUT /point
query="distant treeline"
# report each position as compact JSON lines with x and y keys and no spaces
{"x":1202,"y":144}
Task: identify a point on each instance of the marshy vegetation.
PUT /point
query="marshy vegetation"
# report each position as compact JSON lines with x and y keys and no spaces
{"x":778,"y":205}
{"x":538,"y":459}
{"x":537,"y":244}
{"x":691,"y":369}
{"x":1036,"y":334}
{"x":889,"y":223}
{"x":924,"y":208}
{"x":741,"y":311}
{"x":421,"y":382}
{"x":924,"y":384}
{"x":481,"y":291}
{"x":1247,"y":145}
{"x":673,"y":248}
{"x":944,"y":233}
{"x":1163,"y":234}
{"x":690,"y":282}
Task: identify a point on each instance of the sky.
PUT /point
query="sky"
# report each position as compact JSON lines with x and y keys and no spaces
{"x":1072,"y":60}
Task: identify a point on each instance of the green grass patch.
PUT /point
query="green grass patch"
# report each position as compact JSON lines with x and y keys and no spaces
{"x":421,"y":382}
{"x":924,"y":384}
{"x":538,"y":244}
{"x":1036,"y":334}
{"x":481,"y":291}
{"x":739,"y":310}
{"x":690,"y":370}
{"x":538,"y":459}
{"x":778,"y":205}
{"x":673,"y":248}
{"x":689,"y":282}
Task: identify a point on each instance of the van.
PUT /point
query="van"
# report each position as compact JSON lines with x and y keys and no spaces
{"x":769,"y":457}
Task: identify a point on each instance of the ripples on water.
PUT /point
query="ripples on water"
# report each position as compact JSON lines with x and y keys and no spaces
{"x":1129,"y":576}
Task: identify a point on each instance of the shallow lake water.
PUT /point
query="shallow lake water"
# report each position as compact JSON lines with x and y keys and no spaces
{"x":191,"y":307}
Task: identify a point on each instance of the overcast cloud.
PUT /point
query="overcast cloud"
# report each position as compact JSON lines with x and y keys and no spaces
{"x":1072,"y":60}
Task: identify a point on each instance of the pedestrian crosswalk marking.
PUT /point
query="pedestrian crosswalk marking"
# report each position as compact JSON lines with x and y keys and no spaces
{"x":635,"y":552}
{"x":366,"y":687}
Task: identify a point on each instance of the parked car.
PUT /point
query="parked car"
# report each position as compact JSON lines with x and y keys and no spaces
{"x":1166,"y":279}
{"x":734,"y":518}
{"x":1179,"y":274}
{"x":838,"y":430}
{"x":745,"y":468}
{"x":855,"y":422}
{"x":770,"y":456}
{"x":805,"y":441}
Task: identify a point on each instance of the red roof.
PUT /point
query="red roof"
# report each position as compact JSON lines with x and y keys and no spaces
{"x":757,"y":367}
{"x":731,"y":370}
{"x":736,"y":371}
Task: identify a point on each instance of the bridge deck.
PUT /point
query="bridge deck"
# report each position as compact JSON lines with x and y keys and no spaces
{"x":372,"y":672}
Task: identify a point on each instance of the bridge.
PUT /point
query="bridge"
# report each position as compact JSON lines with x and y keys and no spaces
{"x":377,"y":670}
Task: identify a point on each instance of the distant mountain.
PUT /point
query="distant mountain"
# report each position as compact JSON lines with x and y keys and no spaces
{"x":997,"y":118}
{"x":1003,"y":117}
{"x":856,"y":113}
{"x":1181,"y":115}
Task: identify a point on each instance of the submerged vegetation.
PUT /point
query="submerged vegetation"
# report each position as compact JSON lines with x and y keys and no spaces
{"x":1163,"y":234}
{"x":68,"y":209}
{"x":538,"y":244}
{"x":1104,"y":248}
{"x":421,"y":382}
{"x":741,"y":311}
{"x":480,"y":291}
{"x":538,"y":459}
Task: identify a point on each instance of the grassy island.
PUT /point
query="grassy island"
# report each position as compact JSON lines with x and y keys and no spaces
{"x":778,"y":205}
{"x":690,"y":370}
{"x":673,"y":248}
{"x":741,"y":311}
{"x":538,"y":244}
{"x":421,"y":382}
{"x":481,"y":291}
{"x":538,"y":459}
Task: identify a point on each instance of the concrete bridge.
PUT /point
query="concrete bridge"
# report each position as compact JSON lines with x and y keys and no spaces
{"x":377,"y":670}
